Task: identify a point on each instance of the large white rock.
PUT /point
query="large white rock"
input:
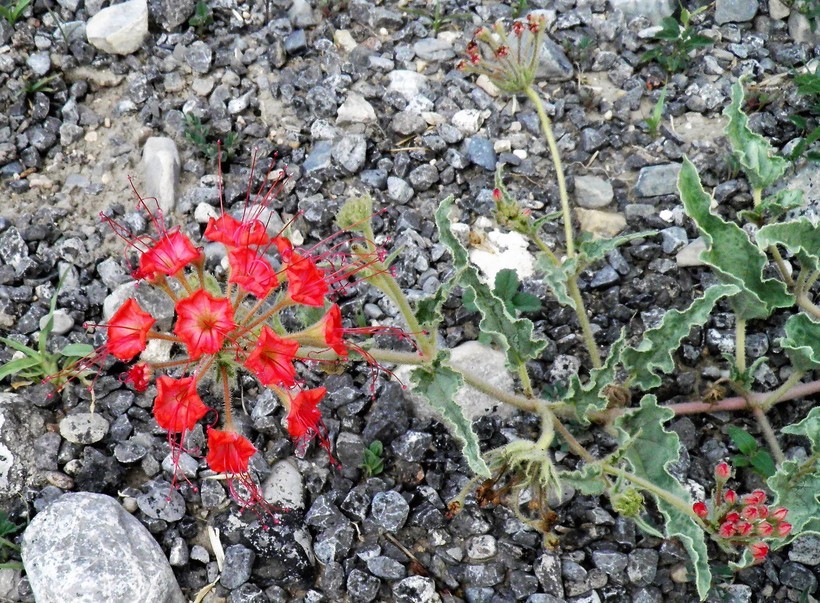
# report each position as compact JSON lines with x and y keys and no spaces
{"x":503,"y":250}
{"x":160,"y":169}
{"x":86,"y":547}
{"x":119,"y":29}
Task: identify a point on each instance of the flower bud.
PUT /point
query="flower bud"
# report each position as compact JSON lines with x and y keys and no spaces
{"x":757,"y":497}
{"x":726,"y":530}
{"x":700,"y":509}
{"x":764,"y":528}
{"x":783,"y":529}
{"x":759,"y":550}
{"x":743,"y":528}
{"x":730,"y":497}
{"x":723,"y":471}
{"x":780,"y":514}
{"x":732,"y":517}
{"x":750,"y":512}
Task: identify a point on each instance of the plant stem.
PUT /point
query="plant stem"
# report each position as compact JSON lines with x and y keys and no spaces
{"x":780,"y":393}
{"x":681,"y":505}
{"x":226,"y":392}
{"x":781,"y":265}
{"x":394,"y":292}
{"x":528,"y":404}
{"x":526,"y":384}
{"x":8,"y":543}
{"x":546,"y":128}
{"x":740,"y":344}
{"x":768,"y":434}
{"x":804,"y":302}
{"x":586,"y":329}
{"x":573,"y":444}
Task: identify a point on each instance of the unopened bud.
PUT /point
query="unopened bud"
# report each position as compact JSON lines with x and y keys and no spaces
{"x":759,"y":550}
{"x":700,"y":509}
{"x":723,"y":471}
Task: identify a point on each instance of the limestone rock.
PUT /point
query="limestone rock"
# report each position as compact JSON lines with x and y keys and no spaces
{"x":119,"y":29}
{"x":160,"y":164}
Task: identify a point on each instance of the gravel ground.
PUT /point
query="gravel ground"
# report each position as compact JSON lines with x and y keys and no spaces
{"x":352,"y":98}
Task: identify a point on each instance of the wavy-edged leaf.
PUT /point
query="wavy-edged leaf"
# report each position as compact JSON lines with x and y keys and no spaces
{"x":653,"y":354}
{"x":754,"y":153}
{"x":588,"y":480}
{"x":555,"y":277}
{"x":730,"y":253}
{"x":797,"y":483}
{"x":514,"y":335}
{"x":800,"y":236}
{"x":439,"y":385}
{"x":593,"y":250}
{"x":428,"y":309}
{"x":802,"y":342}
{"x":649,"y":450}
{"x":774,"y":206}
{"x":590,"y":397}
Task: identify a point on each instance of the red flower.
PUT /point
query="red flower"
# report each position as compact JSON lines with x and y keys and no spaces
{"x":780,"y":514}
{"x":233,"y":233}
{"x":732,"y":517}
{"x":272,"y":359}
{"x":306,"y":282}
{"x":730,"y":497}
{"x":285,"y":248}
{"x":177,"y":406}
{"x":723,"y":471}
{"x":783,"y":529}
{"x":700,"y":509}
{"x":228,"y":452}
{"x":203,"y":322}
{"x":171,"y":254}
{"x":139,"y":376}
{"x":333,"y":330}
{"x":759,"y":550}
{"x":252,"y":272}
{"x":128,"y":330}
{"x":304,"y":418}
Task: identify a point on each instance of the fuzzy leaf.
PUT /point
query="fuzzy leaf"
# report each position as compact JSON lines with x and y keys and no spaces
{"x":589,"y":397}
{"x":588,"y":480}
{"x":801,"y":237}
{"x":439,"y":385}
{"x":754,"y":153}
{"x":555,"y":277}
{"x":593,"y":250}
{"x":797,"y":484}
{"x":774,"y":206}
{"x":649,"y":450}
{"x":654,"y":352}
{"x":729,"y":252}
{"x":428,"y":310}
{"x":802,"y":342}
{"x":514,"y":335}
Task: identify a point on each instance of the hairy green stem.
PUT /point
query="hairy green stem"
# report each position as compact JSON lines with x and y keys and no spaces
{"x":528,"y":404}
{"x":680,"y":504}
{"x":526,"y":384}
{"x":8,"y":543}
{"x":740,"y":344}
{"x":546,"y":128}
{"x":779,"y":394}
{"x":781,"y":265}
{"x":804,"y":302}
{"x":388,"y":284}
{"x":586,"y":329}
{"x":573,"y":444}
{"x":768,"y":434}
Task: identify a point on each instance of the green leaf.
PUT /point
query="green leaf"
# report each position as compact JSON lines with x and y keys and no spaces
{"x":515,"y":335}
{"x":526,"y":302}
{"x":439,"y":385}
{"x":588,"y":480}
{"x":428,"y":309}
{"x":744,"y":442}
{"x":802,"y":342}
{"x":590,"y":397}
{"x":774,"y":206}
{"x":20,"y":347}
{"x":729,"y":252}
{"x":555,"y":277}
{"x":19,"y":365}
{"x":649,"y":450}
{"x":800,"y":236}
{"x":654,"y":352}
{"x":797,"y":483}
{"x":763,"y":463}
{"x":506,"y":283}
{"x":754,"y":153}
{"x":506,"y":288}
{"x":593,"y":250}
{"x":79,"y":350}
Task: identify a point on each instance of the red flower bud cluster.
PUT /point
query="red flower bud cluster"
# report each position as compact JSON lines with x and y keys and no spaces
{"x":742,"y":521}
{"x":222,"y":328}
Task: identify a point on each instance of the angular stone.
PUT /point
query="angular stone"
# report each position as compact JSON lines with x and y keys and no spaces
{"x":654,"y":10}
{"x":119,"y":29}
{"x":734,"y":11}
{"x":160,"y":165}
{"x":602,"y":224}
{"x":656,"y":180}
{"x":86,"y":547}
{"x":84,"y":428}
{"x":355,"y":110}
{"x":170,"y":14}
{"x":593,"y":192}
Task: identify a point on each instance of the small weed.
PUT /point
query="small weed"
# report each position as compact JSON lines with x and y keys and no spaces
{"x":373,"y":463}
{"x":41,"y":85}
{"x":207,"y":144}
{"x":653,"y":122}
{"x":438,"y":17}
{"x":203,"y":17}
{"x":35,"y":365}
{"x":678,"y":40}
{"x":751,"y":454}
{"x":13,"y":12}
{"x":808,"y":85}
{"x":520,"y":7}
{"x":7,"y":547}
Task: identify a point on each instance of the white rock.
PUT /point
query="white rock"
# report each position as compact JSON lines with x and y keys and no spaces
{"x":601,"y":224}
{"x":204,"y":212}
{"x":355,"y":110}
{"x":486,"y":84}
{"x":160,"y":165}
{"x":157,"y":350}
{"x":119,"y":29}
{"x":690,"y":255}
{"x":469,"y":121}
{"x":83,"y":428}
{"x":344,"y":40}
{"x":284,"y":486}
{"x":407,"y":83}
{"x":778,"y":10}
{"x":509,"y":250}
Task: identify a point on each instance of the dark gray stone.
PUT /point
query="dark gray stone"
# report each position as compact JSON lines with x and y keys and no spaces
{"x":385,"y":567}
{"x":236,"y":570}
{"x":362,"y":586}
{"x":480,"y":151}
{"x":389,"y":510}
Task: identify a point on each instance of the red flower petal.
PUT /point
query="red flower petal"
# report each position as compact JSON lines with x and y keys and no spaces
{"x":233,"y":233}
{"x":177,"y":406}
{"x":334,"y":331}
{"x":252,"y":272}
{"x":272,"y":359}
{"x":306,"y":282}
{"x":759,"y":550}
{"x":203,"y":322}
{"x":128,"y":330}
{"x":171,"y":254}
{"x":304,"y":418}
{"x":139,"y":376}
{"x":228,"y":452}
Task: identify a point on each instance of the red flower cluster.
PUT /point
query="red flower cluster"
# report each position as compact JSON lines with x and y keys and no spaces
{"x":222,"y":329}
{"x":742,"y":521}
